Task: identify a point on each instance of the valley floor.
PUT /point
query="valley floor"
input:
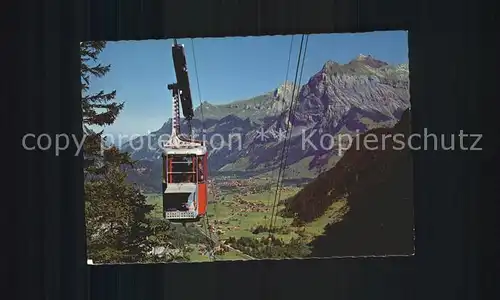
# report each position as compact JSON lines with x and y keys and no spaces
{"x":236,"y":216}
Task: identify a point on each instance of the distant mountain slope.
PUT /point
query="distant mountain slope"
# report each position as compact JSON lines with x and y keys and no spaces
{"x":378,"y":186}
{"x":256,"y":108}
{"x":360,"y":95}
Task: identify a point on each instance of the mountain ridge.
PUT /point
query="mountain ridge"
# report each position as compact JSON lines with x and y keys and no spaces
{"x":354,"y":97}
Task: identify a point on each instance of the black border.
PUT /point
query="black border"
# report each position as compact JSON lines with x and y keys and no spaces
{"x":450,"y":187}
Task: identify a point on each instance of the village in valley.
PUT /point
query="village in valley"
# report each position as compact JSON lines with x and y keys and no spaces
{"x":240,"y":209}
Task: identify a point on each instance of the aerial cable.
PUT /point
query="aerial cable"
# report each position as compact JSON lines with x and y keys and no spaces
{"x":286,"y":147}
{"x":207,"y":223}
{"x":295,"y":106}
{"x":198,"y":86}
{"x":286,"y":134}
{"x":286,"y":79}
{"x":285,"y":143}
{"x":279,"y":190}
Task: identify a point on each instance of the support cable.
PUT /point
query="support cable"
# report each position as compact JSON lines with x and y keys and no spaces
{"x":288,"y":131}
{"x":284,"y":96}
{"x":207,"y":222}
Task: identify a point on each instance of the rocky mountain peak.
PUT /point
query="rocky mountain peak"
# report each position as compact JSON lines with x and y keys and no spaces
{"x":362,"y":57}
{"x":365,"y":83}
{"x":369,"y":60}
{"x":330,"y":66}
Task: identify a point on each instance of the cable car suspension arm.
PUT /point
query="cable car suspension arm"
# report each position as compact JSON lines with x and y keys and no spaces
{"x":181,"y":90}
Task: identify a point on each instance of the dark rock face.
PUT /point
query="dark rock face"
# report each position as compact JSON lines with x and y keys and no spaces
{"x":379,"y":188}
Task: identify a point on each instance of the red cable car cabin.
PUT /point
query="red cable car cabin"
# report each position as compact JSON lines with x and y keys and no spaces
{"x":185,"y":193}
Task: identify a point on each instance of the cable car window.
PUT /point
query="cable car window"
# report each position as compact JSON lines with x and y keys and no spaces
{"x":181,"y":168}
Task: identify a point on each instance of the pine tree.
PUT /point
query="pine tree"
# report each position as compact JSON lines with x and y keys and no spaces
{"x":118,"y":227}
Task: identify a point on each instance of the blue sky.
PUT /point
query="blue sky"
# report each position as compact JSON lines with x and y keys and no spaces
{"x":229,"y":69}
